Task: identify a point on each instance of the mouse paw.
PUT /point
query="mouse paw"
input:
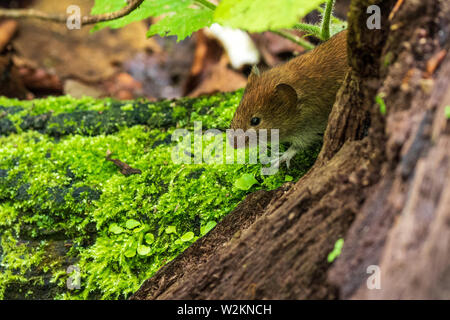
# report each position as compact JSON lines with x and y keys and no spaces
{"x":285,"y":157}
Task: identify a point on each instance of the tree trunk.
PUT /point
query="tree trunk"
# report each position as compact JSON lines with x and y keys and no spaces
{"x":381,"y":182}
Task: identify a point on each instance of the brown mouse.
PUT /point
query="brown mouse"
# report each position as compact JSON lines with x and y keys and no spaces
{"x":295,"y":97}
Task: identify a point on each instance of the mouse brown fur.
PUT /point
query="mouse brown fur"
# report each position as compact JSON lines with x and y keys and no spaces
{"x":295,"y":97}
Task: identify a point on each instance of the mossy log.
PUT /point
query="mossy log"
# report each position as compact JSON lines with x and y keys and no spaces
{"x":90,"y":185}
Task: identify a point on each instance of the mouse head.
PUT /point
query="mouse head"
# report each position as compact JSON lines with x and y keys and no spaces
{"x":267,"y":104}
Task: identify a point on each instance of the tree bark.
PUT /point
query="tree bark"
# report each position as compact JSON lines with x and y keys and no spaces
{"x":381,"y":182}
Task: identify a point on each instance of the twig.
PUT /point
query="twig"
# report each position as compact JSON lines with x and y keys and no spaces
{"x":125,"y":169}
{"x":305,"y":44}
{"x":62,"y":18}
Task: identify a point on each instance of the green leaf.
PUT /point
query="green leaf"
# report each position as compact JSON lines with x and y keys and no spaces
{"x":208,"y":227}
{"x":171,"y":229}
{"x":131,"y":224}
{"x":288,"y":178}
{"x":263,"y":15}
{"x":130,"y":252}
{"x":105,"y":6}
{"x":245,"y":182}
{"x":142,"y":227}
{"x":447,"y":112}
{"x":149,"y":8}
{"x":336,"y":251}
{"x":143,"y":250}
{"x":115,"y":228}
{"x":182,"y":23}
{"x":188,"y":236}
{"x":149,"y":238}
{"x":179,"y":17}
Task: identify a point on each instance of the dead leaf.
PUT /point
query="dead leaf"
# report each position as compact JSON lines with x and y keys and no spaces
{"x":434,"y":62}
{"x":7,"y":30}
{"x":78,"y":54}
{"x":123,"y":86}
{"x":11,"y":84}
{"x":210,"y":72}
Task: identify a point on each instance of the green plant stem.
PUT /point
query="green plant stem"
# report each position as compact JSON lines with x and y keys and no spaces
{"x":206,"y":4}
{"x":309,"y":28}
{"x":333,"y":18}
{"x":305,"y":44}
{"x":326,"y":20}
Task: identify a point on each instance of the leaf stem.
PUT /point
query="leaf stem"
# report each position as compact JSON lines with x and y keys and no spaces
{"x":309,"y":28}
{"x":305,"y":44}
{"x":326,"y":20}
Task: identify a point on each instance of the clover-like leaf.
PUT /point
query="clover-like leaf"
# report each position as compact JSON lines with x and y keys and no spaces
{"x":143,"y":250}
{"x":208,"y":227}
{"x":149,"y":238}
{"x":188,"y":236}
{"x":115,"y":228}
{"x":245,"y":182}
{"x":130,"y":252}
{"x":131,"y":224}
{"x":171,"y":229}
{"x":139,"y":229}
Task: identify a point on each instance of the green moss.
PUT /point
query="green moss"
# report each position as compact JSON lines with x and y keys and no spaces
{"x":57,"y":191}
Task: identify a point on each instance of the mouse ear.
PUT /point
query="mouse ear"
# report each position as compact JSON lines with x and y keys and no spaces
{"x":255,"y":73}
{"x":286,"y":94}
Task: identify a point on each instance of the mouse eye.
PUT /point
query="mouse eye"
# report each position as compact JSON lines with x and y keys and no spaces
{"x":255,"y":121}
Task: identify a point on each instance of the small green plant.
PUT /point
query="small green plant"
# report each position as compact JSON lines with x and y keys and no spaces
{"x":288,"y":178}
{"x":207,"y":228}
{"x":134,"y":237}
{"x":245,"y":182}
{"x":336,"y":250}
{"x":447,"y":112}
{"x":379,"y":99}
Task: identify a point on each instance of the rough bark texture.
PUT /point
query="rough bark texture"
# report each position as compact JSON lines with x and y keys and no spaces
{"x":403,"y":226}
{"x":381,"y":182}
